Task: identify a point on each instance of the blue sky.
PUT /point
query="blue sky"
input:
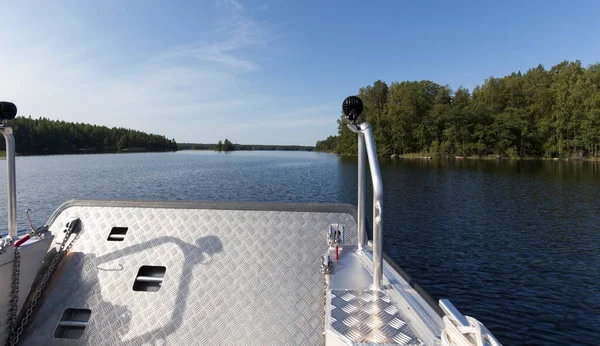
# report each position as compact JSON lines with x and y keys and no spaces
{"x":268,"y":72}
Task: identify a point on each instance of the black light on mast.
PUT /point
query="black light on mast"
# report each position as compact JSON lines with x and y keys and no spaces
{"x":8,"y":111}
{"x":352,"y":107}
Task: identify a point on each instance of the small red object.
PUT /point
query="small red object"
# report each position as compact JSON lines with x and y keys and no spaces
{"x":21,"y":241}
{"x":337,"y":253}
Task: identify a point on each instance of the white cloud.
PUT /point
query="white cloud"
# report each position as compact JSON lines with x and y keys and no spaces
{"x":199,"y":90}
{"x":229,"y":5}
{"x":311,"y":116}
{"x":264,"y":7}
{"x":52,"y":77}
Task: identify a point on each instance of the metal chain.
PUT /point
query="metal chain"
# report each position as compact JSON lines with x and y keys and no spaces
{"x":14,"y":293}
{"x":64,"y":248}
{"x":326,"y":267}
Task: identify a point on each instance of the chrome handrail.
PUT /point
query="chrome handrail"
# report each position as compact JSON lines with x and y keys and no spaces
{"x":361,"y":191}
{"x":366,"y":139}
{"x":7,"y":132}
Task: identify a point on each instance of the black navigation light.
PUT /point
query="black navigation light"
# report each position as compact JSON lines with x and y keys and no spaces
{"x":352,"y":107}
{"x":8,"y":110}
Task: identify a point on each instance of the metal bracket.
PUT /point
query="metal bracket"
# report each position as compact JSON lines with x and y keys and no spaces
{"x":35,"y":232}
{"x":335,"y":236}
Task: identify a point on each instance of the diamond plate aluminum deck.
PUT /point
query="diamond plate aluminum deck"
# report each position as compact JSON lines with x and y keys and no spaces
{"x":368,"y":317}
{"x":233,"y":277}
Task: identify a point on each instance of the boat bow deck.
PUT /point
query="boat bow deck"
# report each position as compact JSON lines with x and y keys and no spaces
{"x":234,"y":273}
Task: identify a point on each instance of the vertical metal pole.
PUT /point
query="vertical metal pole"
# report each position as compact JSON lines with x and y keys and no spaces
{"x":7,"y":132}
{"x":377,"y":206}
{"x":361,"y":192}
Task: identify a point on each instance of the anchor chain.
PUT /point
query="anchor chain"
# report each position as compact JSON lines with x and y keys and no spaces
{"x":65,"y":246}
{"x":14,"y":292}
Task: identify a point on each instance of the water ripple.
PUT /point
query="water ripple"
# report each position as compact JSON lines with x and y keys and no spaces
{"x":514,"y":244}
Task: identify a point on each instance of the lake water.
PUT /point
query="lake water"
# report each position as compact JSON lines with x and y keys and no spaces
{"x":514,"y":244}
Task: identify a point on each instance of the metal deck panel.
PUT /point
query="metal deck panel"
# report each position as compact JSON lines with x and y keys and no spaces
{"x":232,"y":276}
{"x":367,"y":317}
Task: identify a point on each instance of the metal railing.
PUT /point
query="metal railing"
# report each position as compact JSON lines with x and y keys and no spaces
{"x":365,"y":139}
{"x":7,"y":132}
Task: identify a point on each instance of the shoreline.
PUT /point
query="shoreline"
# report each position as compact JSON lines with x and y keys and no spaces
{"x":492,"y":158}
{"x":87,"y":152}
{"x":428,"y":157}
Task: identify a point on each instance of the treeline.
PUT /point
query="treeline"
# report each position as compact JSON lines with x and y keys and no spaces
{"x":327,"y":145}
{"x":195,"y":146}
{"x":266,"y":147}
{"x":542,"y":113}
{"x":45,"y":136}
{"x":224,"y":146}
{"x":257,"y":147}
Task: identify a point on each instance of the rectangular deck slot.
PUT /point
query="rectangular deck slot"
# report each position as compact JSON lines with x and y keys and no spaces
{"x":149,"y":278}
{"x":117,"y":233}
{"x":72,"y":323}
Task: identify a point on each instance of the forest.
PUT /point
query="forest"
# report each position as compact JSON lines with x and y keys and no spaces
{"x":543,"y":113}
{"x":224,"y":146}
{"x":228,"y":146}
{"x":45,"y":136}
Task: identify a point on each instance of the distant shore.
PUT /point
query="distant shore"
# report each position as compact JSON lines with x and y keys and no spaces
{"x":234,"y":147}
{"x":85,"y":151}
{"x":429,"y":156}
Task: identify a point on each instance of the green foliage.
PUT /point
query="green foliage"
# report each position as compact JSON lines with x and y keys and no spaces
{"x":195,"y":146}
{"x":542,"y":113}
{"x":224,"y":146}
{"x":272,"y":147}
{"x":201,"y":146}
{"x":327,"y":145}
{"x":227,"y":145}
{"x":45,"y":136}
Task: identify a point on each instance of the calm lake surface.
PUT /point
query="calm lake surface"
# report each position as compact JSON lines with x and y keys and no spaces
{"x":514,"y":244}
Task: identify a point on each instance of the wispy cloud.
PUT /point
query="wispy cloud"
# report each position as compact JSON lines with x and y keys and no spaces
{"x":200,"y":89}
{"x":303,"y":118}
{"x":229,"y":5}
{"x":51,"y":77}
{"x":233,"y":35}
